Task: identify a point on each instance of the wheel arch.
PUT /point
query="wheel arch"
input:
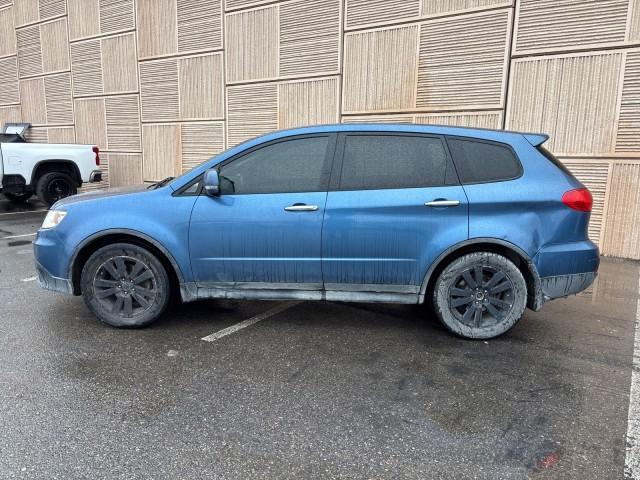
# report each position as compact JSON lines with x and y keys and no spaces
{"x":88,"y":246}
{"x":514,"y":253}
{"x":56,"y":165}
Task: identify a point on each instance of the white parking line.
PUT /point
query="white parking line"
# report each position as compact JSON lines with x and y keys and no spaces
{"x":250,"y":321}
{"x":30,"y":279}
{"x":632,"y":462}
{"x":18,"y":213}
{"x":18,"y":236}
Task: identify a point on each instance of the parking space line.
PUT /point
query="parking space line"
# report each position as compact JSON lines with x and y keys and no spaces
{"x":18,"y":236}
{"x":632,"y":462}
{"x":250,"y":321}
{"x":30,"y":279}
{"x":18,"y":213}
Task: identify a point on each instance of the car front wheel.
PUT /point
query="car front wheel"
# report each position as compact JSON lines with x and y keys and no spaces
{"x":480,"y":295}
{"x":125,"y":285}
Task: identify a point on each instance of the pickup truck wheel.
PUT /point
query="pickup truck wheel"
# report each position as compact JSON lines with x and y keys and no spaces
{"x":480,"y":295}
{"x":54,"y":186}
{"x":125,"y":285}
{"x":18,"y":197}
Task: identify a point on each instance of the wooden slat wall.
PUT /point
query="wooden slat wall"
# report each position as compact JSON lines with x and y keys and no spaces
{"x":161,"y":85}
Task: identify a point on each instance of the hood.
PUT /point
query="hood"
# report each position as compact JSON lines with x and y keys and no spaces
{"x":97,"y":194}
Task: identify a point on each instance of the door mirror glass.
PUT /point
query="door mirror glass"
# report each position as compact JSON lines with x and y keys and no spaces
{"x":212,"y":182}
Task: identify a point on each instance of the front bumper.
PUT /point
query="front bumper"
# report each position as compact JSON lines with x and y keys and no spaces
{"x":96,"y":176}
{"x":48,"y":281}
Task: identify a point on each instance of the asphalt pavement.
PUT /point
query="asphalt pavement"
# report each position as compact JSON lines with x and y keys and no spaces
{"x":308,"y":390}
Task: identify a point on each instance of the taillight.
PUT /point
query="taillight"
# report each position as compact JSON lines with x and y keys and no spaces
{"x":580,"y":199}
{"x":96,"y":150}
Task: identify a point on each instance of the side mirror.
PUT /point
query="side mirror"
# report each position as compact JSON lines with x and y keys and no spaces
{"x":212,"y":182}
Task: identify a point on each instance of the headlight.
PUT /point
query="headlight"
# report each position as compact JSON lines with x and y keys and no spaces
{"x":53,"y":218}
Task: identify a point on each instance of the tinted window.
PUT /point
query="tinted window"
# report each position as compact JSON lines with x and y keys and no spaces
{"x":297,"y":165}
{"x":479,"y":162}
{"x":393,"y":161}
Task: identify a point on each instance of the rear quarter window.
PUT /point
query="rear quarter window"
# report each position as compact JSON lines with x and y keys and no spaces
{"x":482,"y":162}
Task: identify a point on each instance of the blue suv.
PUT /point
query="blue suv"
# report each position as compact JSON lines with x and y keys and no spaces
{"x":478,"y":224}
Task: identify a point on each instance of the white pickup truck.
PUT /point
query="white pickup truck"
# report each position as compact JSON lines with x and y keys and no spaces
{"x":48,"y":171}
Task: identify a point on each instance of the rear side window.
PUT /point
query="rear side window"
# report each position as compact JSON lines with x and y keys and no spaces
{"x":481,"y":162}
{"x":394,"y":161}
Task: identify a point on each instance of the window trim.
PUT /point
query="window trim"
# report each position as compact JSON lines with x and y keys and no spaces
{"x":182,"y":191}
{"x":328,"y":160}
{"x":336,"y":174}
{"x":489,"y":142}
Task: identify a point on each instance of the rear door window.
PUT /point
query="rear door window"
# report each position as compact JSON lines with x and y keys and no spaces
{"x":374,"y":161}
{"x":482,"y":162}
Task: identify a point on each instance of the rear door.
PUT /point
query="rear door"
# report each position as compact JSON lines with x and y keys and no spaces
{"x":394,"y":205}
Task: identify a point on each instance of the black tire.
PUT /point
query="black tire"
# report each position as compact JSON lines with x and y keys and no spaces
{"x":54,"y":186}
{"x":125,"y":285}
{"x":18,"y":197}
{"x":480,"y":311}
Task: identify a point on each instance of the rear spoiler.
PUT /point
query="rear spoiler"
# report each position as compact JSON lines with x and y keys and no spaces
{"x":536,"y":139}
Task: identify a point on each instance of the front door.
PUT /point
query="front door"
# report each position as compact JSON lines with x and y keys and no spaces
{"x":264,"y":230}
{"x":394,"y":205}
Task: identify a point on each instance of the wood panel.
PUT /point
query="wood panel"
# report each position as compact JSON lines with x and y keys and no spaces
{"x":9,"y":91}
{"x":309,"y":37}
{"x":463,"y":119}
{"x":628,"y":133}
{"x":161,"y":147}
{"x":252,"y":39}
{"x":88,"y":18}
{"x":200,"y":141}
{"x":159,"y":90}
{"x":459,"y":119}
{"x":308,"y":102}
{"x":201,"y":87}
{"x":43,"y":48}
{"x":634,"y":21}
{"x":188,"y":88}
{"x":548,"y":95}
{"x":622,"y":235}
{"x":463,"y":61}
{"x":199,"y":24}
{"x":237,"y":4}
{"x":112,"y":123}
{"x":556,"y":25}
{"x":57,"y":93}
{"x":594,"y":175}
{"x":369,"y":83}
{"x":104,"y":66}
{"x":168,"y":27}
{"x":7,"y":33}
{"x":442,"y":7}
{"x":32,"y":11}
{"x":51,"y":135}
{"x":366,"y":12}
{"x":33,"y":101}
{"x":157,"y":27}
{"x":10,"y":114}
{"x":251,"y":110}
{"x":91,"y":125}
{"x":124,"y":168}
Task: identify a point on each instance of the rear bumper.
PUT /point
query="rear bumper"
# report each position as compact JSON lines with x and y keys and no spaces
{"x":48,"y":281}
{"x":565,"y":285}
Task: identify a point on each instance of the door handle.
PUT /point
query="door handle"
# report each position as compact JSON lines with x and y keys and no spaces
{"x":301,"y":207}
{"x":442,"y":203}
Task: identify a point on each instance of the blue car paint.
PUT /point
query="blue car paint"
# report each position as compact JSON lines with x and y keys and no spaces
{"x":384,"y":237}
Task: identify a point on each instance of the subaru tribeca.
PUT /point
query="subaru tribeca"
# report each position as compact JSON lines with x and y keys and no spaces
{"x":479,"y":224}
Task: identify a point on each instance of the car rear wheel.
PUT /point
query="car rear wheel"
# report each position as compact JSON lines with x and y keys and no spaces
{"x":18,"y":197}
{"x":480,"y":295}
{"x":125,"y":285}
{"x":54,"y":186}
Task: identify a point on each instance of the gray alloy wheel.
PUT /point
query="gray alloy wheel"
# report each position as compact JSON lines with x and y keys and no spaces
{"x":125,"y":285}
{"x":480,"y":295}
